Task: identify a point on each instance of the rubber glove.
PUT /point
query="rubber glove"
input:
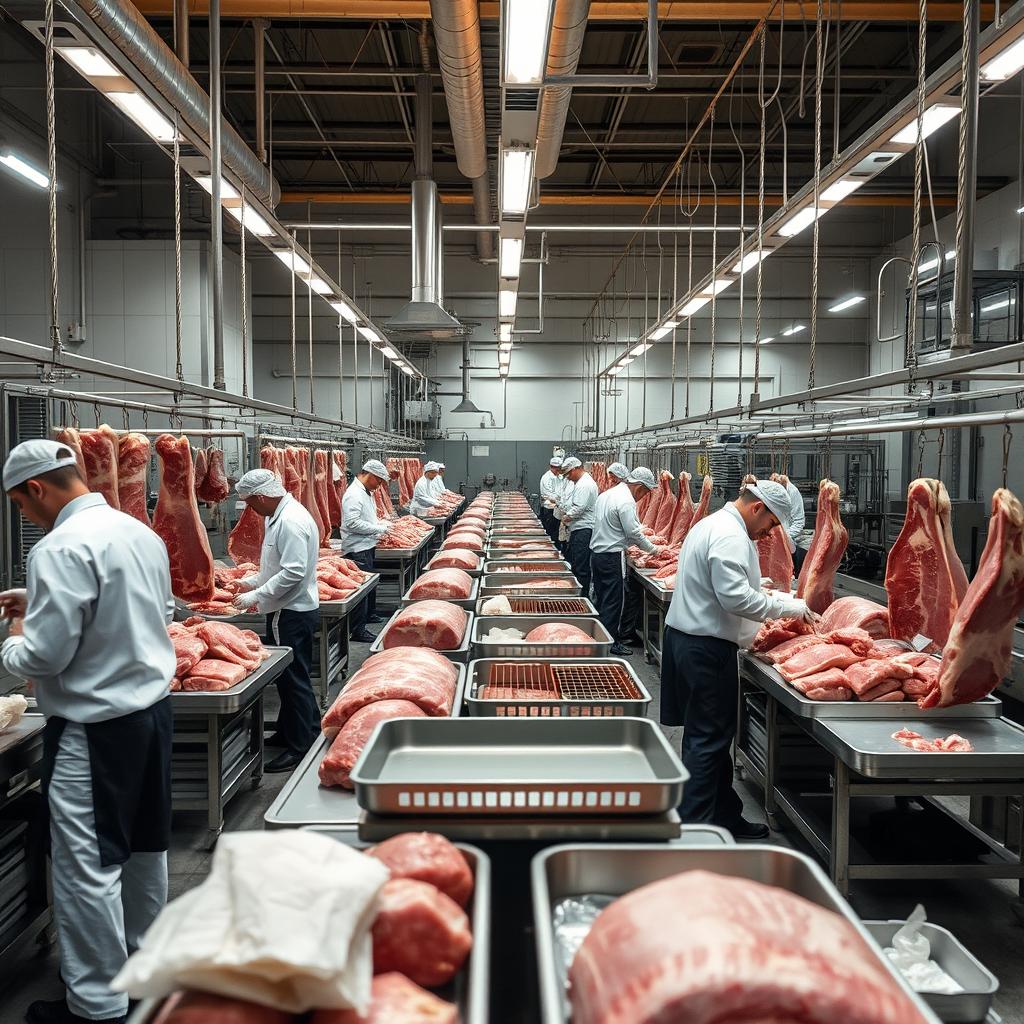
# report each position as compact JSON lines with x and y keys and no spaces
{"x":244,"y":601}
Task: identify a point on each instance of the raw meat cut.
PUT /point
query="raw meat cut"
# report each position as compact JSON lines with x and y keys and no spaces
{"x":213,"y":674}
{"x":205,"y":1008}
{"x":199,"y":466}
{"x":214,"y":487}
{"x":427,"y":857}
{"x":442,"y":585}
{"x":918,"y":580}
{"x":394,"y":999}
{"x":703,"y":503}
{"x":858,"y":640}
{"x":291,"y":466}
{"x":341,"y":462}
{"x":666,"y":510}
{"x":405,"y":532}
{"x":775,"y":558}
{"x":660,"y":496}
{"x":777,"y":631}
{"x":546,"y":584}
{"x":333,"y":494}
{"x":465,"y":542}
{"x":977,"y":655}
{"x":229,"y":643}
{"x":99,"y":451}
{"x":816,"y":659}
{"x":188,"y":648}
{"x":828,"y":685}
{"x":307,"y":483}
{"x":416,"y":674}
{"x":887,"y":689}
{"x":737,"y":951}
{"x":73,"y":439}
{"x":340,"y":759}
{"x":856,"y":611}
{"x":956,"y":567}
{"x":434,"y":624}
{"x":868,"y":674}
{"x":320,"y":489}
{"x":456,"y":558}
{"x":245,"y":542}
{"x":557,"y":633}
{"x":952,"y":744}
{"x":177,"y":522}
{"x":133,"y":475}
{"x":684,"y":511}
{"x":420,"y":932}
{"x":826,"y":552}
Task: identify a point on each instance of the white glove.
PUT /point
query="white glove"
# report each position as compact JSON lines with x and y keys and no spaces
{"x":244,"y":601}
{"x":243,"y":585}
{"x":13,"y":603}
{"x":796,"y":608}
{"x":382,"y":530}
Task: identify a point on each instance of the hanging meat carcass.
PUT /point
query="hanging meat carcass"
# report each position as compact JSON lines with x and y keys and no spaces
{"x":133,"y":475}
{"x":826,"y":552}
{"x":776,"y":559}
{"x":73,"y":439}
{"x":292,"y":461}
{"x":684,"y":511}
{"x":99,"y":451}
{"x":245,"y":541}
{"x":199,"y":467}
{"x":320,"y":488}
{"x":307,"y":485}
{"x":662,"y":494}
{"x":214,"y":487}
{"x":666,"y":510}
{"x":703,"y":503}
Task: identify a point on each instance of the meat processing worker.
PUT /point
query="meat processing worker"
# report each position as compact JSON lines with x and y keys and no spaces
{"x":360,"y":531}
{"x":616,"y":527}
{"x":90,"y":631}
{"x":577,"y":510}
{"x":715,"y":610}
{"x":798,"y":537}
{"x":617,"y":474}
{"x":437,"y":485}
{"x":423,"y":497}
{"x":285,"y":589}
{"x":550,"y":484}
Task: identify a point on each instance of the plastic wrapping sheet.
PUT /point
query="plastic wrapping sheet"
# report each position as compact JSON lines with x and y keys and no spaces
{"x":572,"y":919}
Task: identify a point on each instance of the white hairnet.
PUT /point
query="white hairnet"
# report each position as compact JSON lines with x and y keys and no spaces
{"x":556,"y":461}
{"x":775,"y":497}
{"x":32,"y":459}
{"x":642,"y":475}
{"x":377,"y":469}
{"x":619,"y":470}
{"x":571,"y":463}
{"x":430,"y":467}
{"x":260,"y":482}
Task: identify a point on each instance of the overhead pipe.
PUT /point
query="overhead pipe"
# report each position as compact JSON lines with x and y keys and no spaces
{"x":259,"y":28}
{"x":216,"y":121}
{"x":181,"y":30}
{"x":967,"y":181}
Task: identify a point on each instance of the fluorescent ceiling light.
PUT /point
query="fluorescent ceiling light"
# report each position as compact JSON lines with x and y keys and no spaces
{"x":720,"y":285}
{"x":344,"y":310}
{"x":751,"y":259}
{"x":408,"y":370}
{"x":391,"y":353}
{"x":1001,"y":304}
{"x":934,"y":118}
{"x":804,"y":219}
{"x":1020,"y":209}
{"x":795,"y":329}
{"x":292,"y":260}
{"x":659,"y":332}
{"x":838,"y":191}
{"x":526,"y":39}
{"x":853,"y":300}
{"x":615,"y":371}
{"x":253,"y":221}
{"x":369,"y":334}
{"x":505,"y":346}
{"x":626,"y":360}
{"x":504,"y":332}
{"x":1006,"y":64}
{"x":639,"y":350}
{"x":694,"y":304}
{"x":25,"y":170}
{"x":506,"y":302}
{"x":933,"y":263}
{"x":504,"y":358}
{"x":767,"y":341}
{"x":510,"y":257}
{"x":144,"y":114}
{"x":318,"y":285}
{"x":516,"y":178}
{"x":89,"y":61}
{"x":227,"y":190}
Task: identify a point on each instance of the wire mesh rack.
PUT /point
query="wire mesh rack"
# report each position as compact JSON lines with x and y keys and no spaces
{"x":553,"y":606}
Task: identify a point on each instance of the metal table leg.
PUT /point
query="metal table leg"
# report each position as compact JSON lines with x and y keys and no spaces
{"x":648,"y":646}
{"x":256,"y":732}
{"x":771,"y":808}
{"x":839,"y":855}
{"x":214,"y":776}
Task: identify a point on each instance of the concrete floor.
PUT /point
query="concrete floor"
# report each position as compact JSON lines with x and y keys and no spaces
{"x":979,"y":913}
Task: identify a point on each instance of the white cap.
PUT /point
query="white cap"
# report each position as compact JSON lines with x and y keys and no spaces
{"x":260,"y":482}
{"x":556,"y":461}
{"x":642,"y":475}
{"x":775,"y":497}
{"x":32,"y":459}
{"x":440,"y":465}
{"x":377,"y":468}
{"x":572,"y":463}
{"x":619,"y":470}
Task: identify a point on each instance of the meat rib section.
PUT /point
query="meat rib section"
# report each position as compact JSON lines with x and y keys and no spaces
{"x":775,"y":558}
{"x":826,"y":552}
{"x":684,"y":511}
{"x":177,"y":522}
{"x":980,"y":643}
{"x":214,"y":487}
{"x":99,"y":452}
{"x":73,"y":439}
{"x":856,"y":611}
{"x":918,"y":580}
{"x":133,"y":475}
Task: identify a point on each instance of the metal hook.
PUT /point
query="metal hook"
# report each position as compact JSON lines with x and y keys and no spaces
{"x":96,"y":412}
{"x":1007,"y":441}
{"x":145,"y":419}
{"x":942,"y":444}
{"x":73,"y":411}
{"x":124,"y":417}
{"x":920,"y":452}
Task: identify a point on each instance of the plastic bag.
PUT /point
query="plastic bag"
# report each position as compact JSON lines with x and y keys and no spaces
{"x":495,"y":634}
{"x":12,"y":708}
{"x":496,"y":606}
{"x":572,"y":919}
{"x":911,"y":952}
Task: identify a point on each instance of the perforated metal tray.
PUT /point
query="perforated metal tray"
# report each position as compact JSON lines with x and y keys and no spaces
{"x":530,"y":766}
{"x":469,"y":603}
{"x":504,"y":556}
{"x":546,"y":605}
{"x":599,"y":645}
{"x":460,"y":654}
{"x":564,"y":687}
{"x":518,"y":567}
{"x":502,"y":583}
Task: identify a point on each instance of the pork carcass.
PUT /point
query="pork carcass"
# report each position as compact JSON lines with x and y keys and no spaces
{"x":557,"y":633}
{"x":738,"y":950}
{"x":661,"y":495}
{"x":956,"y":566}
{"x":684,"y":511}
{"x":455,"y":558}
{"x":666,"y":510}
{"x":214,"y":487}
{"x":292,"y":462}
{"x":775,"y":558}
{"x":333,"y":494}
{"x":73,"y":439}
{"x":177,"y":522}
{"x":99,"y":452}
{"x":394,"y":999}
{"x":199,"y":467}
{"x":856,"y":611}
{"x":434,"y":624}
{"x":826,"y":552}
{"x":245,"y":542}
{"x":307,"y":482}
{"x":195,"y":1007}
{"x":320,"y":488}
{"x":341,"y":757}
{"x":420,"y":932}
{"x":133,"y":475}
{"x":977,"y":654}
{"x":340,"y":479}
{"x":442,"y":585}
{"x":419,"y":675}
{"x":427,"y":857}
{"x":703,"y":503}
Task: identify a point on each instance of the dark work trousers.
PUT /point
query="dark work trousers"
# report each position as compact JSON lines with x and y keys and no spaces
{"x":632,"y":609}
{"x":609,"y":574}
{"x":798,"y":559}
{"x":578,"y":552}
{"x":298,"y":721}
{"x":550,"y":523}
{"x":699,"y":691}
{"x":365,"y":561}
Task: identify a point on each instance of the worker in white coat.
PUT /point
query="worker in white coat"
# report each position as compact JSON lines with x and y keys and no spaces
{"x":577,"y":508}
{"x":799,"y":537}
{"x":437,"y":485}
{"x":716,"y":608}
{"x":423,"y":497}
{"x":617,"y":527}
{"x":285,"y":590}
{"x":617,"y":474}
{"x":360,"y":531}
{"x":90,"y":631}
{"x":550,"y":485}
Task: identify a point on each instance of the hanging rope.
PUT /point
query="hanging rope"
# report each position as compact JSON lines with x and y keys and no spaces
{"x":245,"y":310}
{"x":942,"y":444}
{"x":714,"y":261}
{"x":295,"y":391}
{"x":179,"y":371}
{"x":819,"y":74}
{"x":763,"y":104}
{"x":51,"y":166}
{"x":910,"y":353}
{"x":1007,"y":441}
{"x":920,"y":452}
{"x":743,"y":239}
{"x":309,"y":251}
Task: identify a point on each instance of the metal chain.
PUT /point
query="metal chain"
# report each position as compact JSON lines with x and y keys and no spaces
{"x":1007,"y":441}
{"x":96,"y":412}
{"x":145,"y":419}
{"x":743,"y":238}
{"x":124,"y":418}
{"x":245,"y":310}
{"x":51,"y":166}
{"x":920,"y":452}
{"x":961,"y":244}
{"x":73,"y":412}
{"x":818,"y":84}
{"x":714,"y":260}
{"x":295,"y":395}
{"x":179,"y":370}
{"x":910,"y":353}
{"x":942,"y":444}
{"x":826,"y":455}
{"x":675,"y":300}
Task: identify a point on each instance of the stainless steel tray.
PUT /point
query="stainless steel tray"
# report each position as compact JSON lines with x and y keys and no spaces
{"x":460,"y":654}
{"x":401,"y":554}
{"x":769,"y":680}
{"x":661,"y":594}
{"x":978,"y":983}
{"x":537,"y":766}
{"x":599,"y":646}
{"x":867,"y":746}
{"x":581,"y":673}
{"x":615,"y":870}
{"x":515,"y":533}
{"x":339,"y":609}
{"x":224,"y":702}
{"x":478,"y":571}
{"x":544,"y":566}
{"x":503,"y":556}
{"x":491,"y":585}
{"x":550,"y":606}
{"x":469,"y":603}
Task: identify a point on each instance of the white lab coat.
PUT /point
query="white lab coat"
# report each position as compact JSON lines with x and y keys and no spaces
{"x":437,"y":487}
{"x":797,"y":518}
{"x":578,"y":508}
{"x":616,"y":524}
{"x":287,"y":576}
{"x":360,"y":527}
{"x":549,"y":487}
{"x":422,"y":496}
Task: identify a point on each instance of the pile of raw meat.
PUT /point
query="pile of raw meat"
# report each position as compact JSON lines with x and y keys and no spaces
{"x":558,"y":633}
{"x":442,"y":585}
{"x":455,"y":558}
{"x":403,"y":533}
{"x":434,"y":624}
{"x":405,"y":682}
{"x":445,"y":504}
{"x":213,"y":655}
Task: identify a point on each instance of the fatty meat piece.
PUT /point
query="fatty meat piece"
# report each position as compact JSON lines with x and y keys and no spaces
{"x":817,"y":659}
{"x":434,"y":624}
{"x":394,"y":999}
{"x":952,"y":744}
{"x":886,"y":689}
{"x":188,"y":648}
{"x":830,"y":678}
{"x":442,"y":585}
{"x":427,"y":857}
{"x":456,"y":558}
{"x":228,"y":643}
{"x":866,"y":675}
{"x":824,"y":693}
{"x":212,"y":674}
{"x":856,"y":611}
{"x":193,"y":1007}
{"x":558,"y":633}
{"x":420,"y":932}
{"x":348,"y":744}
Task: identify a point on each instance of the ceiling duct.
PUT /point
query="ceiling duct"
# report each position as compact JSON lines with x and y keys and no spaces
{"x":424,"y":316}
{"x":568,"y":27}
{"x":465,"y":405}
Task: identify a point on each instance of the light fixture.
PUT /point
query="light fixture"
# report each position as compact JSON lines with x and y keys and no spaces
{"x":1006,"y":64}
{"x":504,"y":358}
{"x":144,"y":114}
{"x":408,"y":370}
{"x":799,"y":221}
{"x":615,"y":371}
{"x":24,"y":170}
{"x":253,"y":221}
{"x":767,"y":341}
{"x":506,"y":302}
{"x":839,"y":190}
{"x":344,"y":310}
{"x":751,"y":259}
{"x":795,"y":329}
{"x":853,"y":300}
{"x":510,"y":257}
{"x":698,"y":302}
{"x":626,"y":360}
{"x":923,"y":268}
{"x":639,"y":350}
{"x":505,"y":346}
{"x":934,"y":118}
{"x":1020,"y":209}
{"x":89,"y":61}
{"x":720,"y":285}
{"x":318,"y":285}
{"x":369,"y":334}
{"x":659,"y":332}
{"x":388,"y":351}
{"x":527,"y":23}
{"x":227,"y":190}
{"x":292,"y":260}
{"x":516,"y":179}
{"x":504,"y":332}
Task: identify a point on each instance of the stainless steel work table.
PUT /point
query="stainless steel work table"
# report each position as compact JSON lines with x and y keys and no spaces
{"x":401,"y":565}
{"x":652,"y":624}
{"x":814,"y":759}
{"x":218,"y":741}
{"x":331,"y":643}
